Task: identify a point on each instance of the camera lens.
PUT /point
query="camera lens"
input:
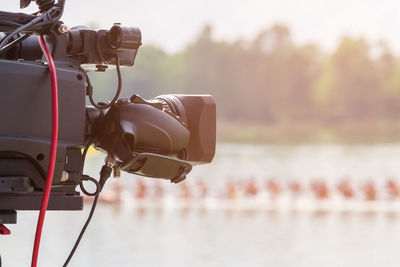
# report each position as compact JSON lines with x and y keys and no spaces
{"x":172,"y":104}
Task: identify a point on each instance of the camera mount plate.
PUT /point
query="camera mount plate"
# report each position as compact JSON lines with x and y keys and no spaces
{"x":31,"y":201}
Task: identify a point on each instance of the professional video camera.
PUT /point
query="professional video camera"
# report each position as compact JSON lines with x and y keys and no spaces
{"x":161,"y":138}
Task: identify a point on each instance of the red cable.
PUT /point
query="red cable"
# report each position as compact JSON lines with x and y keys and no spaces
{"x":53,"y":149}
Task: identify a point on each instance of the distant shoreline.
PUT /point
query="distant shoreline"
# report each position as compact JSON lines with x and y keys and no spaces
{"x":294,"y":133}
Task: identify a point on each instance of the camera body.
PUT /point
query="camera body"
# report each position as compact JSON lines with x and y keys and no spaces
{"x":161,"y":138}
{"x":26,"y":129}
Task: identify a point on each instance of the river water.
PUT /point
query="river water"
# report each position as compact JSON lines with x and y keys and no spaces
{"x":259,"y":231}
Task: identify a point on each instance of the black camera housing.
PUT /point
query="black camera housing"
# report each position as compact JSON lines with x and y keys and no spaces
{"x":26,"y":129}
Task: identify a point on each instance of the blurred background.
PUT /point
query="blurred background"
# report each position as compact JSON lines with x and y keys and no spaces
{"x":306,"y":171}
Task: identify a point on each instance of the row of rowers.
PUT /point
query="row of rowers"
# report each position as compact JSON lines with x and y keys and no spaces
{"x":320,"y":189}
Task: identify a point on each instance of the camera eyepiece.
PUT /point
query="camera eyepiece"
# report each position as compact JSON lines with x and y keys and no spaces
{"x":124,"y":38}
{"x":101,"y":47}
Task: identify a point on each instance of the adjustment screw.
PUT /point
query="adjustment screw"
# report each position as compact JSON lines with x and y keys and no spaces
{"x":63,"y":28}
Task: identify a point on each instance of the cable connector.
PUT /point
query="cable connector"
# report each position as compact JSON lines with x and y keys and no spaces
{"x":106,"y":170}
{"x":110,"y":161}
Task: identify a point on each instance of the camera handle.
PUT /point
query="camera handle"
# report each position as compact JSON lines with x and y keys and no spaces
{"x":177,"y":168}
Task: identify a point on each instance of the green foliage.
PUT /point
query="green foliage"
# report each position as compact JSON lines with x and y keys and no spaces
{"x":271,"y":82}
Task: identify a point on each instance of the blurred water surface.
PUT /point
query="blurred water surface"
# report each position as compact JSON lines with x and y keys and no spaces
{"x":129,"y":235}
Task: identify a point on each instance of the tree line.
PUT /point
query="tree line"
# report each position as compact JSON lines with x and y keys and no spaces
{"x":270,"y":81}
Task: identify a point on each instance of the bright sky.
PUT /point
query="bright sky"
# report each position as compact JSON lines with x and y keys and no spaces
{"x":172,"y":24}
